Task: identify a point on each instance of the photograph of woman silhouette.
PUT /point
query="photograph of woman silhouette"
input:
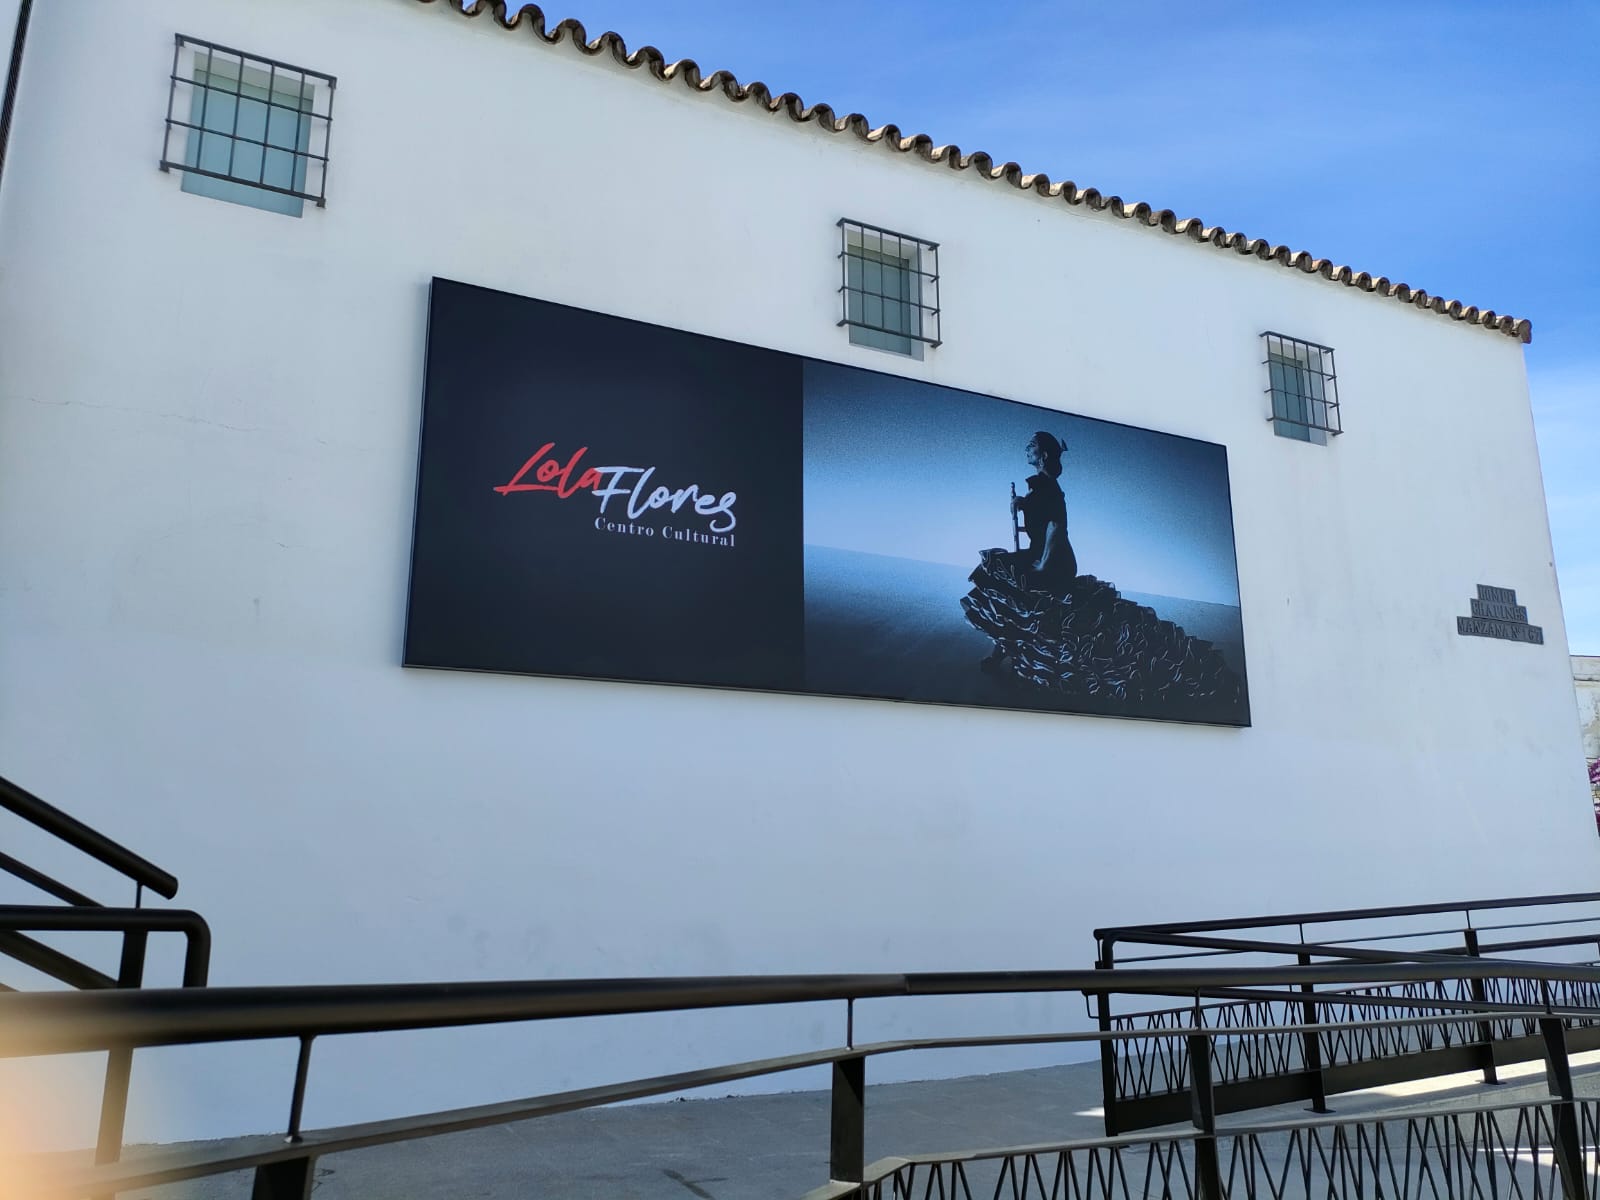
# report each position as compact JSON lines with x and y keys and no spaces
{"x":902,"y":481}
{"x":1071,"y":634}
{"x":1048,"y":564}
{"x":1044,"y":516}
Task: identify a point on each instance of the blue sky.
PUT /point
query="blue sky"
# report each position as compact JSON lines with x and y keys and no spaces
{"x":1453,"y":144}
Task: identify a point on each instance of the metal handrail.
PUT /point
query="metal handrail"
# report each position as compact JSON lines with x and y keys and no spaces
{"x":200,"y":1161}
{"x":1118,"y":932}
{"x":57,"y":1023}
{"x":49,"y":1023}
{"x":1315,"y":949}
{"x":78,"y":912}
{"x":25,"y":1046}
{"x":32,"y":875}
{"x":41,"y":918}
{"x":91,"y":841}
{"x":47,"y":960}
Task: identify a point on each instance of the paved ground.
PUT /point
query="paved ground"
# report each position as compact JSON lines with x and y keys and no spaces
{"x":775,"y":1147}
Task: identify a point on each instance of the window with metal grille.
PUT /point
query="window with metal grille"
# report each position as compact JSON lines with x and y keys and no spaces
{"x":247,"y":129}
{"x":1303,"y":387}
{"x":888,"y":288}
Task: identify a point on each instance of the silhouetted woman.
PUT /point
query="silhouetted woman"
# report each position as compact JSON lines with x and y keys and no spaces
{"x":1016,"y":593}
{"x":1049,"y":559}
{"x":1072,"y":635}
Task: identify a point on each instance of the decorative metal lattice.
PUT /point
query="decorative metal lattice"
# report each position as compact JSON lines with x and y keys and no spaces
{"x":889,"y":285}
{"x":1160,"y":1066}
{"x":1302,"y":385}
{"x":1511,"y":1153}
{"x":246,"y":120}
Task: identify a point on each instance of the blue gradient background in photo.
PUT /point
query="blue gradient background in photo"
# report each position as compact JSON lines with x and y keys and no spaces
{"x":912,"y":470}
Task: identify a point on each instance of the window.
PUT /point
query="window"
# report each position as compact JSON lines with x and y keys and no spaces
{"x":1303,"y":387}
{"x":889,"y":289}
{"x":247,"y":130}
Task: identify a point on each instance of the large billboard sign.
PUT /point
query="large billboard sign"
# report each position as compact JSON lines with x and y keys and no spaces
{"x":607,"y":499}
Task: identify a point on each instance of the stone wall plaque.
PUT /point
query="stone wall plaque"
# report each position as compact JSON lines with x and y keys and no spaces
{"x":1496,"y":614}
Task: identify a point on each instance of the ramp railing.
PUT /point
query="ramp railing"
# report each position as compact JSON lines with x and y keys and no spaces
{"x":1205,"y":1161}
{"x":1295,"y":1053}
{"x":75,"y":912}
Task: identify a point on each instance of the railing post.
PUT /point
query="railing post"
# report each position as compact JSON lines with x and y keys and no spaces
{"x":1480,"y":995}
{"x":290,"y":1179}
{"x":1311,"y":1044}
{"x":1108,"y":1048}
{"x":1558,"y":1075}
{"x":847,"y":1143}
{"x":1207,"y":1170}
{"x":119,"y":1060}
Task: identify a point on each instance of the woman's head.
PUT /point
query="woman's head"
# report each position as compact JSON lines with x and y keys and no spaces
{"x":1044,"y":452}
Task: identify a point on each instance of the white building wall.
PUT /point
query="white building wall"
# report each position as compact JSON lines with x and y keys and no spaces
{"x":208,"y":435}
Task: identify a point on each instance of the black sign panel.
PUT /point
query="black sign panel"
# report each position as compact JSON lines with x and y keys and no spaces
{"x":603,"y":498}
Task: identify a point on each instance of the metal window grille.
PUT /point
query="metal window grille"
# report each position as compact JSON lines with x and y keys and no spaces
{"x":889,"y":285}
{"x":248,"y":120}
{"x":1303,"y":387}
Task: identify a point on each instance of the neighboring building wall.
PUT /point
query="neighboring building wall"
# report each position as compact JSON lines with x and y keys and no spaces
{"x":208,"y":437}
{"x":1586,"y":676}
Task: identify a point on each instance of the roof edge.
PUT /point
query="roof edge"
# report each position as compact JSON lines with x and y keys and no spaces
{"x":923,"y":147}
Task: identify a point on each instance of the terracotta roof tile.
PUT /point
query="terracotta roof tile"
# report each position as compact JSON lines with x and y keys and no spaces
{"x":922,"y":146}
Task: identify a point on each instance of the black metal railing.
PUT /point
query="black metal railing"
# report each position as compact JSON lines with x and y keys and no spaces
{"x":68,"y":829}
{"x":1145,"y":1084}
{"x":1515,"y":1152}
{"x":78,"y":913}
{"x":64,"y":1023}
{"x":1263,"y":1020}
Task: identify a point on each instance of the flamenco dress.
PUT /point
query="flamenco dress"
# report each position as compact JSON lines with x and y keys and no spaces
{"x":1073,"y":635}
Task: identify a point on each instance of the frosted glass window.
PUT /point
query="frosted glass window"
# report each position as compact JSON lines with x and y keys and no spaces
{"x":251,"y":141}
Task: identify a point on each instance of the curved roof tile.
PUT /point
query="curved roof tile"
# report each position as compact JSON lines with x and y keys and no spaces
{"x":921,"y":145}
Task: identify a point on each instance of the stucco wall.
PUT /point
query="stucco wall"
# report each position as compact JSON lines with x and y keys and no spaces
{"x":208,"y":426}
